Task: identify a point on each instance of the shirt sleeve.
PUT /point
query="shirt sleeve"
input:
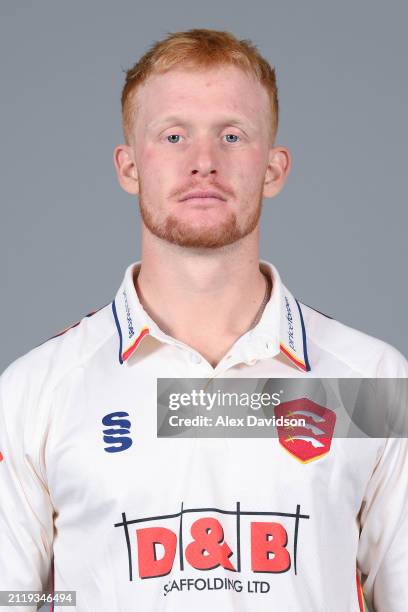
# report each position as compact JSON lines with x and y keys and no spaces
{"x":383,"y":546}
{"x":26,"y":511}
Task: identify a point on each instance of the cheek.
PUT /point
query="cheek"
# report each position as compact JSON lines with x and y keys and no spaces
{"x":146,"y":158}
{"x":151,"y":169}
{"x":250,"y":172}
{"x":155,"y":163}
{"x":158,"y":181}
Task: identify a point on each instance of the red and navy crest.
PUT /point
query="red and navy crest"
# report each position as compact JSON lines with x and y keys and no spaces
{"x":311,"y":438}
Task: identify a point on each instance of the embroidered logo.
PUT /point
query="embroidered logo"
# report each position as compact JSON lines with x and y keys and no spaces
{"x":116,"y":436}
{"x":313,"y":439}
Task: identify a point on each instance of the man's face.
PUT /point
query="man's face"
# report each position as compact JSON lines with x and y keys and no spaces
{"x":201,"y":130}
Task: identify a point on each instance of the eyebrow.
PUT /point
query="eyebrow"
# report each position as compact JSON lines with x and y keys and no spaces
{"x":232,"y":120}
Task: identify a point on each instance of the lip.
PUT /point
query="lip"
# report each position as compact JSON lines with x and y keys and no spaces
{"x":203,"y":194}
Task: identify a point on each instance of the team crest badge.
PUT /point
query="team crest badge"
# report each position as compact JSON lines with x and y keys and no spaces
{"x":311,"y":439}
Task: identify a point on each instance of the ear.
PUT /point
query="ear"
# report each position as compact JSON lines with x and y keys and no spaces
{"x":279,"y":164}
{"x":126,"y":170}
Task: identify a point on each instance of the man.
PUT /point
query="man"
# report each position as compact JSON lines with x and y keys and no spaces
{"x":91,"y":496}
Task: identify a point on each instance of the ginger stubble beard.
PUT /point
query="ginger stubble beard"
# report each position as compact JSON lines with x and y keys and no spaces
{"x":183,"y":234}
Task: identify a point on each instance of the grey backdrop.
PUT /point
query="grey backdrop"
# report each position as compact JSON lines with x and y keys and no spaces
{"x":337,"y":233}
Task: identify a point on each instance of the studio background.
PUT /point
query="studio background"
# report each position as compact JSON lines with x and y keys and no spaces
{"x":337,"y":232}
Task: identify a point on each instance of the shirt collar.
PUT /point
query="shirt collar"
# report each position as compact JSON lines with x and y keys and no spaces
{"x":282,"y":313}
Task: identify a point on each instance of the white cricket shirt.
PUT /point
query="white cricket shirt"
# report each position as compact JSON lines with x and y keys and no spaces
{"x":137,"y":522}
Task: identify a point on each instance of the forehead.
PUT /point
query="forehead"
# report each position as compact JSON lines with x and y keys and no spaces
{"x":203,"y":91}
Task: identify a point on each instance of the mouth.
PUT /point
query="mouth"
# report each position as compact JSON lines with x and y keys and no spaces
{"x":203,"y":197}
{"x":206,"y":200}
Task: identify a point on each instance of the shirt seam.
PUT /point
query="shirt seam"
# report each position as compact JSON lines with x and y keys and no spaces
{"x":333,"y":354}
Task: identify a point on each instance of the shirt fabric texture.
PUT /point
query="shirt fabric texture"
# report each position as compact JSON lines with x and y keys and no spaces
{"x":77,"y":515}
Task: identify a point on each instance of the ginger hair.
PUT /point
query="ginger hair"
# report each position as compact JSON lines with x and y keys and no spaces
{"x":197,"y":49}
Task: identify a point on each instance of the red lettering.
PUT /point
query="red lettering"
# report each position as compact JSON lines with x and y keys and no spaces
{"x":149,"y":565}
{"x":208,"y":535}
{"x":267,"y":538}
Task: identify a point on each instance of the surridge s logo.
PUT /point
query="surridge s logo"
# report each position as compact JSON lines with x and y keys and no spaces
{"x":117,"y":435}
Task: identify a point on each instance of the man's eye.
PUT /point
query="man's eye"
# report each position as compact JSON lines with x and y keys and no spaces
{"x":233,"y":136}
{"x":172,"y":138}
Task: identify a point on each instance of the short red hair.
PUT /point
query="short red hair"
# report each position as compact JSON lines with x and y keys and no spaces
{"x":198,"y":48}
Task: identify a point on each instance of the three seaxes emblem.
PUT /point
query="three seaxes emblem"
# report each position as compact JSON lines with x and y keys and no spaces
{"x":312,"y":440}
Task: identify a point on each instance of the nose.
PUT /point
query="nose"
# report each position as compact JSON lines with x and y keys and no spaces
{"x":203,"y":160}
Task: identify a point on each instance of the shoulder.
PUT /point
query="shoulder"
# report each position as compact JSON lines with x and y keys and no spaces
{"x":40,"y":369}
{"x":362,"y":354}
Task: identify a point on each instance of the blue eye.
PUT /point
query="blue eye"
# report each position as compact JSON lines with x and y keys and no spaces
{"x":234,"y":136}
{"x":173,"y":136}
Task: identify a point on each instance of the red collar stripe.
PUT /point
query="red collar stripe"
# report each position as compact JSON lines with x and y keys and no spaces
{"x":292,"y":357}
{"x":135,"y":344}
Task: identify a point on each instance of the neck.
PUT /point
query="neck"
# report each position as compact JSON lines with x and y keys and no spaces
{"x":201,"y":296}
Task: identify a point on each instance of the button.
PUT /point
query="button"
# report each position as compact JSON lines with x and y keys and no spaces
{"x":195,"y":358}
{"x":271,"y":346}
